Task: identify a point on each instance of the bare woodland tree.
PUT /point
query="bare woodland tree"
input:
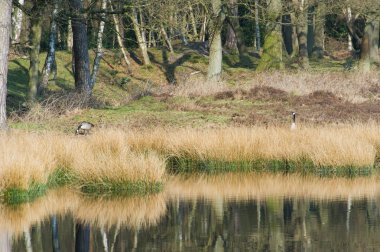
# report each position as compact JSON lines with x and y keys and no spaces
{"x":5,"y":31}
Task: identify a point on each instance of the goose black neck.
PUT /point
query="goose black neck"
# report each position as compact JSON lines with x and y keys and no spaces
{"x":294,"y":117}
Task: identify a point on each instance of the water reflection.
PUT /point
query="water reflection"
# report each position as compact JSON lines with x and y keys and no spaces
{"x":219,"y":213}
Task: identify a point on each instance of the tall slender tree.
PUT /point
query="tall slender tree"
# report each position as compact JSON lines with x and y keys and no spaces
{"x":80,"y":47}
{"x":5,"y":32}
{"x":50,"y":57}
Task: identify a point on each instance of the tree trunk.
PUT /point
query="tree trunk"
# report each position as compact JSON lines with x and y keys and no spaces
{"x":99,"y":46}
{"x":35,"y":41}
{"x":202,"y":35}
{"x":374,"y":41}
{"x":230,"y":43}
{"x":50,"y":57}
{"x":80,"y":48}
{"x":349,"y":37}
{"x":273,"y":43}
{"x":120,"y":38}
{"x":193,"y":22}
{"x":17,"y":23}
{"x":295,"y":44}
{"x":365,"y":62}
{"x":302,"y":34}
{"x":235,"y":25}
{"x":140,"y":39}
{"x":257,"y":26}
{"x":5,"y":32}
{"x":167,"y":39}
{"x":319,"y":32}
{"x":69,"y":45}
{"x":215,"y":59}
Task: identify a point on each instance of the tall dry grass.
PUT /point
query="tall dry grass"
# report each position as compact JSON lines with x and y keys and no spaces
{"x":324,"y":146}
{"x":106,"y":156}
{"x":25,"y":158}
{"x":30,"y":158}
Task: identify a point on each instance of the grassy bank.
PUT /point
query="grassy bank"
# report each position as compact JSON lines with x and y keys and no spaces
{"x":327,"y":151}
{"x":31,"y":163}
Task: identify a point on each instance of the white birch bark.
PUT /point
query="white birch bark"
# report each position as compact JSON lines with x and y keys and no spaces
{"x":17,"y":23}
{"x":50,"y":57}
{"x":99,"y":46}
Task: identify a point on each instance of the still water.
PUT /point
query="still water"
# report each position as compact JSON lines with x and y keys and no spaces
{"x":220,"y":213}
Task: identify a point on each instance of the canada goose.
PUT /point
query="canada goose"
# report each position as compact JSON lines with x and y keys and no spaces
{"x":83,"y":128}
{"x":293,"y":126}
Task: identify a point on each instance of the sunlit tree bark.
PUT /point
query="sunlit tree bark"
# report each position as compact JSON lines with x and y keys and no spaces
{"x":215,"y":59}
{"x":5,"y":30}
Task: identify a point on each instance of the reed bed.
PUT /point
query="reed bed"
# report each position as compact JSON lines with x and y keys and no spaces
{"x":329,"y":150}
{"x":104,"y":163}
{"x":30,"y":163}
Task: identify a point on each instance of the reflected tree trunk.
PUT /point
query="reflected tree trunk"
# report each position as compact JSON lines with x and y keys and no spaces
{"x":55,"y":236}
{"x":82,"y":238}
{"x":28,"y":241}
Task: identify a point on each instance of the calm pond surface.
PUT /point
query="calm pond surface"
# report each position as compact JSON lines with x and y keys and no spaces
{"x":219,"y":213}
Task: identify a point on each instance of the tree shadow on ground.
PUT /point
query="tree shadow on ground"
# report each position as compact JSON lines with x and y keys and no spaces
{"x":170,"y":68}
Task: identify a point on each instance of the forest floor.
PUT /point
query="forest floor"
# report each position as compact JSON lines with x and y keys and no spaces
{"x":173,"y":92}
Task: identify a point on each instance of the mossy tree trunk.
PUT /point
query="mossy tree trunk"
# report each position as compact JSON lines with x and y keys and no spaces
{"x":374,"y":41}
{"x":34,"y":51}
{"x":233,"y":20}
{"x":369,"y":46}
{"x":273,"y":42}
{"x":5,"y":30}
{"x":319,"y":32}
{"x":214,"y":72}
{"x":301,"y":25}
